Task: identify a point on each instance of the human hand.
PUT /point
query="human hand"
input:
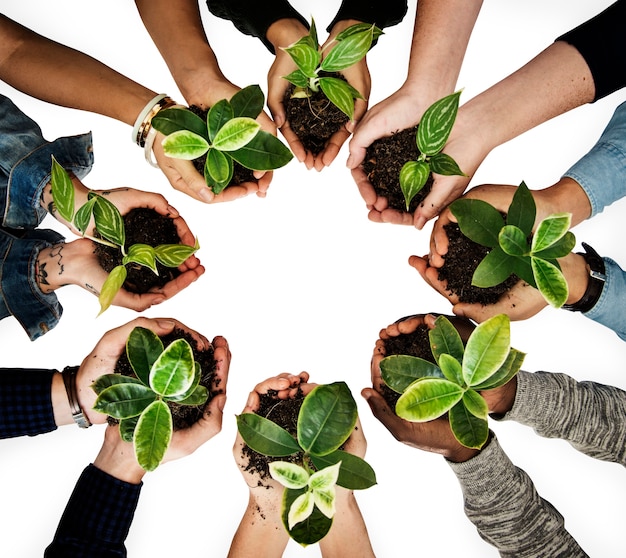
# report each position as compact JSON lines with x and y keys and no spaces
{"x":76,"y":263}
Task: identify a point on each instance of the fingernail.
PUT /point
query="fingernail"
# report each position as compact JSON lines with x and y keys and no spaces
{"x":349,"y":162}
{"x":172,"y":211}
{"x":206,"y":195}
{"x":166,"y":324}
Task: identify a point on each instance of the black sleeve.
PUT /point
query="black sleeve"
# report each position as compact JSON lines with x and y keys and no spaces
{"x":602,"y":43}
{"x":254,"y":18}
{"x":383,"y":13}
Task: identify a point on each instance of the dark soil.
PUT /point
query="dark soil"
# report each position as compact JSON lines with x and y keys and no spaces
{"x":143,"y":226}
{"x":462,"y":259}
{"x":183,"y":415}
{"x":283,"y":412}
{"x":313,"y":119}
{"x":240,"y":173}
{"x":415,"y":344}
{"x":383,"y":161}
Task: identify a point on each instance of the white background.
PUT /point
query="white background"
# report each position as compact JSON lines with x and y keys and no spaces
{"x":292,"y":281}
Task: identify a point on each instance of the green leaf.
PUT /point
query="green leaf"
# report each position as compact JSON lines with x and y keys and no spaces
{"x":62,"y":191}
{"x":173,"y":255}
{"x":124,"y":400}
{"x":444,"y":338}
{"x":441,"y":163}
{"x":298,"y":79}
{"x":413,"y":177}
{"x":550,"y":282}
{"x":325,"y":478}
{"x":522,"y":211}
{"x":289,"y":475}
{"x":219,"y":114}
{"x":301,"y":509}
{"x":550,"y":230}
{"x":108,"y":380}
{"x":235,"y":134}
{"x":325,"y":501}
{"x":428,"y":399}
{"x":512,"y":240}
{"x":326,"y":419}
{"x":153,"y":434}
{"x":451,"y":369}
{"x":475,"y":404}
{"x":436,"y":124}
{"x":248,"y":101}
{"x":127,"y":428}
{"x":143,"y":347}
{"x":217,"y":187}
{"x":263,"y":152}
{"x":309,"y":531}
{"x":468,"y":429}
{"x":142,"y":254}
{"x":511,"y":366}
{"x":83,"y":215}
{"x":266,"y":437}
{"x":173,"y":372}
{"x":495,"y":268}
{"x":196,"y":398}
{"x":185,"y":145}
{"x":306,"y":58}
{"x":478,"y":221}
{"x":349,"y":50}
{"x":111,"y":286}
{"x":108,"y":219}
{"x":355,"y":473}
{"x":340,"y":94}
{"x":219,"y":166}
{"x":400,"y":371}
{"x":559,"y":249}
{"x":358,"y":28}
{"x":522,"y":268}
{"x":486,"y":349}
{"x":311,"y":39}
{"x":170,"y":120}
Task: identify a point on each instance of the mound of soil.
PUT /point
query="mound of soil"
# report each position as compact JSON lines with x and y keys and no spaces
{"x":383,"y":161}
{"x":461,"y":261}
{"x":142,"y":226}
{"x":183,"y":416}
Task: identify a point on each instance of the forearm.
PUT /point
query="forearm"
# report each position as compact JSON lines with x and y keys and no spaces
{"x":382,"y":13}
{"x":261,"y":532}
{"x":58,"y":74}
{"x":436,"y":55}
{"x":502,"y":502}
{"x":590,"y":416}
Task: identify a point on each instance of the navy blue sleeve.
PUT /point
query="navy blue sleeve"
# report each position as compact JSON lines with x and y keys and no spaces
{"x":97,"y":518}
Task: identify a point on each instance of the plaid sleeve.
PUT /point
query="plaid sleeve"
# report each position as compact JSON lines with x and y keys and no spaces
{"x":97,"y":518}
{"x":25,"y":402}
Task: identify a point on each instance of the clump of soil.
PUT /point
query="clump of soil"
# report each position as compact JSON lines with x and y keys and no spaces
{"x":415,"y":344}
{"x":383,"y":161}
{"x":313,"y":119}
{"x":461,"y":261}
{"x":240,"y":173}
{"x":143,"y":226}
{"x":283,"y":412}
{"x":183,"y":416}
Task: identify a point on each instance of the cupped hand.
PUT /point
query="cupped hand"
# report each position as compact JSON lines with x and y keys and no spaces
{"x":101,"y":360}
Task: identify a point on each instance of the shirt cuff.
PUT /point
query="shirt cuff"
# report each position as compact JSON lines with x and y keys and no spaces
{"x":382,"y":14}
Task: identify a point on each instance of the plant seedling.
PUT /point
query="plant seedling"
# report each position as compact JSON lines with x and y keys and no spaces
{"x":432,"y":134}
{"x":140,"y":402}
{"x":229,"y":134}
{"x":452,"y":384}
{"x":352,"y":45}
{"x":534,"y":261}
{"x":110,"y":225}
{"x":325,"y":421}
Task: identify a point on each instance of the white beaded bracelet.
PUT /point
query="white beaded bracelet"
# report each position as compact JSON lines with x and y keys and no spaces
{"x":143,"y":123}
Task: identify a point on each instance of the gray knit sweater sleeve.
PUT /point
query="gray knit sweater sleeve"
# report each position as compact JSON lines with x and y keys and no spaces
{"x":501,"y":501}
{"x":589,"y":415}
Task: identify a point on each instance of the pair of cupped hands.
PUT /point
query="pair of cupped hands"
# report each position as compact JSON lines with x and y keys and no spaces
{"x":115,"y":457}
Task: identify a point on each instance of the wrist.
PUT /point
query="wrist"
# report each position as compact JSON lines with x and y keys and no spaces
{"x":117,"y":458}
{"x":564,"y":196}
{"x":284,"y":32}
{"x":585,"y":276}
{"x":48,"y":268}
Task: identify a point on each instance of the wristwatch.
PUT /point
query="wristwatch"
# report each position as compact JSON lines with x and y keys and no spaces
{"x":597,"y":278}
{"x":69,"y":380}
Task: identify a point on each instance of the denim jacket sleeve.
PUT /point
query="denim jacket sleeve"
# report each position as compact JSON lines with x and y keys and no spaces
{"x":25,"y":164}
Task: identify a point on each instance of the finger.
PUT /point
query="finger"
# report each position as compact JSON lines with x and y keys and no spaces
{"x":181,"y":282}
{"x":328,"y":155}
{"x":381,"y":410}
{"x":365,"y":187}
{"x":295,"y":144}
{"x":396,"y":217}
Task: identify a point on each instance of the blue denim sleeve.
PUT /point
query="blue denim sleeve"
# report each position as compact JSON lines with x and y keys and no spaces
{"x":610,"y":310}
{"x":25,"y":163}
{"x":602,"y":172}
{"x":20,"y":295}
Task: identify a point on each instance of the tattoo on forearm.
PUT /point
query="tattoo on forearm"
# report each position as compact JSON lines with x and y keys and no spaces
{"x":92,"y":289}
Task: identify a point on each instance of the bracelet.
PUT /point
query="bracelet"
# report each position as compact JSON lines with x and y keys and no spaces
{"x":148,"y":147}
{"x":69,"y":380}
{"x":143,"y":123}
{"x":597,"y":278}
